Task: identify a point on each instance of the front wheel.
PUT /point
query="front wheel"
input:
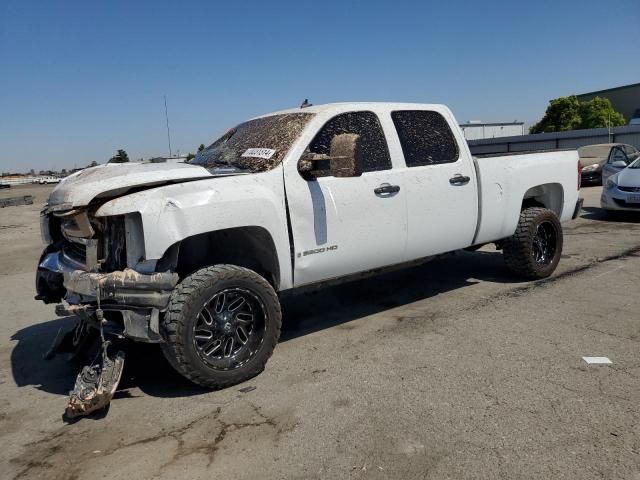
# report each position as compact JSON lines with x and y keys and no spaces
{"x":534,"y":250}
{"x":221,"y":326}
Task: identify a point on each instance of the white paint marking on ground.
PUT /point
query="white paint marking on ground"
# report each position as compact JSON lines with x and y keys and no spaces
{"x":597,"y":360}
{"x":609,"y":271}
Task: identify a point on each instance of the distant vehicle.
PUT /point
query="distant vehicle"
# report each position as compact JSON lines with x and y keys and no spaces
{"x":5,"y":185}
{"x":618,"y":160}
{"x":635,"y":120}
{"x":594,"y":157}
{"x":46,"y":180}
{"x":622,"y":190}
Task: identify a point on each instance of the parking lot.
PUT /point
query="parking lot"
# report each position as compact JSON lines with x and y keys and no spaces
{"x":451,"y":369}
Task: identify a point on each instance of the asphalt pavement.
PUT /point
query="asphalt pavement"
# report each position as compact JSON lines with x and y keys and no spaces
{"x":452,"y":369}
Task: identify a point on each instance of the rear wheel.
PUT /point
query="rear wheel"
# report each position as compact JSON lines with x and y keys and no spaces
{"x":222,"y":325}
{"x":534,"y":250}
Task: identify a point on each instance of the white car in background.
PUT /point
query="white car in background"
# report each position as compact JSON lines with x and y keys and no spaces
{"x":48,"y":180}
{"x":622,"y":190}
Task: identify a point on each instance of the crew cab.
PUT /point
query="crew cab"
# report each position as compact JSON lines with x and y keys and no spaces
{"x":194,"y":256}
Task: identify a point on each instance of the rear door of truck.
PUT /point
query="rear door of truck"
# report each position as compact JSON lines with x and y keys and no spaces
{"x":440,"y":180}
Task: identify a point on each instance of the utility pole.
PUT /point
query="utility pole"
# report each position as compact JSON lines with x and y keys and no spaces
{"x":166,"y":115}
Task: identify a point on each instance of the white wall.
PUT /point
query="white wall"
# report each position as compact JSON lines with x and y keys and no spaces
{"x":478,"y":131}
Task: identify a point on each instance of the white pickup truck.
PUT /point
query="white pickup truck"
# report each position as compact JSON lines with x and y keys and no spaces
{"x":194,"y":255}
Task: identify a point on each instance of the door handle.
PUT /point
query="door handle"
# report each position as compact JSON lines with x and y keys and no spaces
{"x":386,"y":188}
{"x":458,"y":180}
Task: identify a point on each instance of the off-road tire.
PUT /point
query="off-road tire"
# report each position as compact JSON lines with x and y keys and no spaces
{"x":518,"y":249}
{"x":185,"y":304}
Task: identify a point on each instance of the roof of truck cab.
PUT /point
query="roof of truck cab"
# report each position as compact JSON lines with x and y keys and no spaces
{"x":350,"y":106}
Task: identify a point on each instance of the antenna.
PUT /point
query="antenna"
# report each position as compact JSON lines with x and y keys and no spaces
{"x":166,"y":116}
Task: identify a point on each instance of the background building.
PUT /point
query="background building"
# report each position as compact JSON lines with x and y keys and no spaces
{"x":477,"y":130}
{"x":625,"y":99}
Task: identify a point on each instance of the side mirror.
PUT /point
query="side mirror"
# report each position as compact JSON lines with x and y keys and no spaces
{"x":619,"y":164}
{"x":345,"y":155}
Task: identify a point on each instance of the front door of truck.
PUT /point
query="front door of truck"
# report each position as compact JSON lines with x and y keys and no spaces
{"x":343,"y":225}
{"x":442,"y":200}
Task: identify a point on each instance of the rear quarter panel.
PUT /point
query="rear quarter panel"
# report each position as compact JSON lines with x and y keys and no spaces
{"x":504,"y":181}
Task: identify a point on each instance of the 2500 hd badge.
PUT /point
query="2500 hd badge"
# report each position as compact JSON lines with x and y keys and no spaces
{"x":317,"y":250}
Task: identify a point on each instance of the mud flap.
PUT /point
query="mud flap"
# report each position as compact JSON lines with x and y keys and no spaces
{"x":95,"y":385}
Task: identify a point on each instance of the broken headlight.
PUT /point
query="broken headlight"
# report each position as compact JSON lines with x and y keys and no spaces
{"x":75,"y":225}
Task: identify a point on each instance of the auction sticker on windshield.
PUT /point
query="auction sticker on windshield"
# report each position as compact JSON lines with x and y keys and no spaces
{"x":266,"y":153}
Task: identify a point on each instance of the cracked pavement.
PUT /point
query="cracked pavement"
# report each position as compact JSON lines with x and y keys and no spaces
{"x":451,"y":369}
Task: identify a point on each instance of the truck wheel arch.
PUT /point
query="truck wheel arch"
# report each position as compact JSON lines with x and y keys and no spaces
{"x":548,"y":195}
{"x":250,"y":247}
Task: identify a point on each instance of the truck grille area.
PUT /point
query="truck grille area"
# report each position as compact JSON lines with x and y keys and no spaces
{"x":114,"y":245}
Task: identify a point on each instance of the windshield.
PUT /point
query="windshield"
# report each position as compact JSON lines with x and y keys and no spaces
{"x":635,"y":164}
{"x":257,"y":145}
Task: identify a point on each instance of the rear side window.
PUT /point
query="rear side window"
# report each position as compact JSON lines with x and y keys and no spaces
{"x":425,"y":137}
{"x":365,"y":124}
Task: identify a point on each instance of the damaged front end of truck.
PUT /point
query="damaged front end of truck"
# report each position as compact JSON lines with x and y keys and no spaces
{"x":84,"y":270}
{"x":93,"y":267}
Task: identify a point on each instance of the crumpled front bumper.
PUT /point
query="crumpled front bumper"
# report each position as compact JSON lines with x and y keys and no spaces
{"x":135,"y":298}
{"x":57,"y":277}
{"x":126,"y":287}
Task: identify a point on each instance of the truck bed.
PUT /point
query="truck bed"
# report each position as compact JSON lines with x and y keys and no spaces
{"x":505,"y":179}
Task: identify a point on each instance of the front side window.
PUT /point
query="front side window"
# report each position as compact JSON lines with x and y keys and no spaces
{"x":616,"y":155}
{"x":372,"y":142}
{"x":425,"y":137}
{"x":256,"y":145}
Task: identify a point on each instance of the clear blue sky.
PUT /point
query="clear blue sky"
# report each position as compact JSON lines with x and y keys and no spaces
{"x":80,"y":79}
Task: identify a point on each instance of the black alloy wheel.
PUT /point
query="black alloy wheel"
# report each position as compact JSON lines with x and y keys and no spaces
{"x":221,"y":325}
{"x":544,"y":243}
{"x":230,"y":328}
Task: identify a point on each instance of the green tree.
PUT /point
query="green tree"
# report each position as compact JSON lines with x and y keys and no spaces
{"x":189,"y":156}
{"x":93,"y":164}
{"x":568,"y":113}
{"x":562,"y":114}
{"x":598,"y":113}
{"x":120,"y":157}
{"x":201,"y":147}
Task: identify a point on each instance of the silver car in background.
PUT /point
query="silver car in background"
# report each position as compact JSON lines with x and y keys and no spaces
{"x":621,"y":191}
{"x":619,"y":158}
{"x":597,"y":161}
